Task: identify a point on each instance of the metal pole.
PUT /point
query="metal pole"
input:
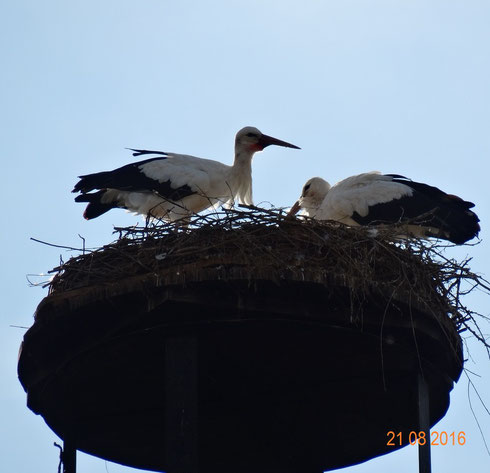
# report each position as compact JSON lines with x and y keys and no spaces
{"x":424,"y":424}
{"x":69,"y":456}
{"x":181,"y":400}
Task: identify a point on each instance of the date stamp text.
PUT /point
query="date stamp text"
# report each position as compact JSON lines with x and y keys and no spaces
{"x":396,"y":439}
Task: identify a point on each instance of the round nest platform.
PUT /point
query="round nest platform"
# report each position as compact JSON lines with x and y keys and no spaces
{"x":249,"y":343}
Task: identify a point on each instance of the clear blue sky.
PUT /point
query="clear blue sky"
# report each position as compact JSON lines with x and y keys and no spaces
{"x":360,"y":85}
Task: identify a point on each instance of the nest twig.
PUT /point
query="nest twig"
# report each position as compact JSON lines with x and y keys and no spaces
{"x":263,"y":241}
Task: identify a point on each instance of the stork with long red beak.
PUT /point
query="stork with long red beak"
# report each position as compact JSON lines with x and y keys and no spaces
{"x":373,"y":198}
{"x":175,"y":186}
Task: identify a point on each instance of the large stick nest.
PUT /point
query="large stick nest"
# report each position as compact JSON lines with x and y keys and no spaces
{"x":266,"y":244}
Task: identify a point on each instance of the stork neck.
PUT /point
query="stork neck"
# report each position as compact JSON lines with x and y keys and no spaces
{"x":242,"y":167}
{"x":243,"y":159}
{"x":240,"y":177}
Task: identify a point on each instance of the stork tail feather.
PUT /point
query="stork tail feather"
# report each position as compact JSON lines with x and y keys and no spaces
{"x":95,"y":206}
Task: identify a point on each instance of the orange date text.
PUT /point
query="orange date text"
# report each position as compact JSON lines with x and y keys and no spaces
{"x":397,"y":439}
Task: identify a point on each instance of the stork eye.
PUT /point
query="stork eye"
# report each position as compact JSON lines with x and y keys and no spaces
{"x":250,"y":134}
{"x":305,"y":188}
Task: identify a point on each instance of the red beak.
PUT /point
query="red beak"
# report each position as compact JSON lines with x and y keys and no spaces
{"x":294,"y":209}
{"x":266,"y":140}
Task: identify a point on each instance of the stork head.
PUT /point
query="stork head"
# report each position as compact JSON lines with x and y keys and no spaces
{"x":312,"y":195}
{"x":250,"y":140}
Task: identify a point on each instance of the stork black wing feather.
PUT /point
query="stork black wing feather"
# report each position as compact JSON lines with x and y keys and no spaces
{"x":448,"y":213}
{"x":131,"y":178}
{"x":140,"y":152}
{"x":398,"y":176}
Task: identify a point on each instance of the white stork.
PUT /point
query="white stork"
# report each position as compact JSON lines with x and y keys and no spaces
{"x":373,"y":198}
{"x":174,"y":186}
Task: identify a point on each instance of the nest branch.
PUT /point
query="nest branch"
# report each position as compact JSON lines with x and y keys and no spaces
{"x":269,"y":241}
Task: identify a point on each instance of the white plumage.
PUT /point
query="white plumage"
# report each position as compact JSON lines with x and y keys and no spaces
{"x":174,"y":186}
{"x":375,"y":198}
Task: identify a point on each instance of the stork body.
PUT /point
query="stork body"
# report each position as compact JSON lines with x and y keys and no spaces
{"x":174,"y":186}
{"x":373,"y":198}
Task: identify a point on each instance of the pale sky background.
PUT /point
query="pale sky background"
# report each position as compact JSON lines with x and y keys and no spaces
{"x":397,"y":86}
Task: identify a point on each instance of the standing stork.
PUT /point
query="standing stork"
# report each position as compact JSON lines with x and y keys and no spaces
{"x":175,"y":186}
{"x":374,"y":198}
